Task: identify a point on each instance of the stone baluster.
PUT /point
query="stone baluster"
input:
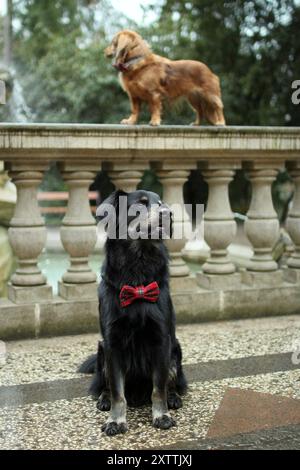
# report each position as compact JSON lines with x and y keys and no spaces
{"x":219,"y":229}
{"x":125,"y":176}
{"x":78,"y":235}
{"x":173,"y":181}
{"x":27,"y":235}
{"x":126,"y":180}
{"x":292,"y":274}
{"x":262,"y":226}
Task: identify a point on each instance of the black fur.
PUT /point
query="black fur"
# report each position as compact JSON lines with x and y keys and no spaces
{"x":138,"y":340}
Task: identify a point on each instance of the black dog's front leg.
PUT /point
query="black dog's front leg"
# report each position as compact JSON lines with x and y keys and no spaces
{"x":160,"y":414}
{"x":116,"y":422}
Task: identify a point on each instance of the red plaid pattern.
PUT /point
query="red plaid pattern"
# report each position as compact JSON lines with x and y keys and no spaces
{"x":129,"y":294}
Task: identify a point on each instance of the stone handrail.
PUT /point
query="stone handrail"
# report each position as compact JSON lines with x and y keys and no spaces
{"x":219,"y":290}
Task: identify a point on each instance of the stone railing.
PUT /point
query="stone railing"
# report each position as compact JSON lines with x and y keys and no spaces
{"x":220,"y":290}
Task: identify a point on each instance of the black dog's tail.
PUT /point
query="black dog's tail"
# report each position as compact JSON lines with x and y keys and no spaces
{"x":89,"y":365}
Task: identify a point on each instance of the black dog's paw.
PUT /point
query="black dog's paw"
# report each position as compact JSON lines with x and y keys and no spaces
{"x":103,"y":404}
{"x":113,"y":428}
{"x":174,"y":401}
{"x":164,"y":422}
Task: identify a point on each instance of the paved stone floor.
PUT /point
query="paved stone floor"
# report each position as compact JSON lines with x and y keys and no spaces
{"x":244,"y":392}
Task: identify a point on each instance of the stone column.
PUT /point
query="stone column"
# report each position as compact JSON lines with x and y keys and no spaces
{"x":27,"y":235}
{"x":292,"y":274}
{"x":219,"y":230}
{"x":173,"y":181}
{"x":78,"y":236}
{"x":262,"y":226}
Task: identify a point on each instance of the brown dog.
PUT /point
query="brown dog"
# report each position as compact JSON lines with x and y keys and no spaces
{"x":151,"y":78}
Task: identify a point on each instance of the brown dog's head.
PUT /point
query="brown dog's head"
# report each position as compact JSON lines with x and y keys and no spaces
{"x":126,"y":45}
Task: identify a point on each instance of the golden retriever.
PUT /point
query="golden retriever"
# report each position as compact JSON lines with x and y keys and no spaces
{"x":150,"y":78}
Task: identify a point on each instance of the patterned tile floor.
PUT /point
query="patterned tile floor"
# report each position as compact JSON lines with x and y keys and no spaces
{"x":244,"y":392}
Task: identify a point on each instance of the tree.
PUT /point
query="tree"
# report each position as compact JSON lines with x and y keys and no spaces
{"x":58,"y":50}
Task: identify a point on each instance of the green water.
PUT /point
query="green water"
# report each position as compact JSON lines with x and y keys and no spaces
{"x":54,"y":265}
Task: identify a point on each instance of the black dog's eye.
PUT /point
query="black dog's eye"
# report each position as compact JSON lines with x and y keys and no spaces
{"x":144,"y":200}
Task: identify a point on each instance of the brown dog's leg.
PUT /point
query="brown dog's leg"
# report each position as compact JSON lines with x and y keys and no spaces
{"x":214,"y":111}
{"x":196,"y":105}
{"x":135,"y":110}
{"x":215,"y":117}
{"x":155,"y":110}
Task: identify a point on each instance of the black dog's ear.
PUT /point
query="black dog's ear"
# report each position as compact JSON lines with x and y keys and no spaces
{"x":111,"y":200}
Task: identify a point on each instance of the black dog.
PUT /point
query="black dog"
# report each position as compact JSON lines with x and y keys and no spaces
{"x":139,"y":360}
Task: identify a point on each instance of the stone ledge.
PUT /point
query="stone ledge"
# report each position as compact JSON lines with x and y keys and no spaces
{"x":63,"y":317}
{"x":70,"y":142}
{"x":55,"y":318}
{"x":245,"y":302}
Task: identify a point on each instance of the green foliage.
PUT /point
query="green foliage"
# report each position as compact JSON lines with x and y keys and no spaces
{"x":59,"y":53}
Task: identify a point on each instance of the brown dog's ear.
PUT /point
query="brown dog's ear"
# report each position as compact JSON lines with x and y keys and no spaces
{"x":122,"y":48}
{"x":139,"y":47}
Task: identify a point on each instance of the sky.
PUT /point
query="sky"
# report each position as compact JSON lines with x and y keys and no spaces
{"x":2,"y":6}
{"x":133,"y":8}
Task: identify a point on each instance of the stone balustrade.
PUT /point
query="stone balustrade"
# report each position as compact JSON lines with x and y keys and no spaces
{"x":220,"y":289}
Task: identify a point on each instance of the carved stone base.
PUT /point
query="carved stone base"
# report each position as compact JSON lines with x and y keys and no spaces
{"x":77,"y":291}
{"x":186,"y":283}
{"x":178,"y":267}
{"x":218,"y":281}
{"x":26,"y":295}
{"x":291,"y":275}
{"x":258,"y":279}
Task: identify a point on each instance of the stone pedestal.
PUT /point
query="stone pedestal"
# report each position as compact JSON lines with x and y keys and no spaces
{"x":81,"y":291}
{"x":219,"y":223}
{"x":25,"y":295}
{"x":291,"y":275}
{"x":262,"y":225}
{"x":293,"y":222}
{"x":258,"y":279}
{"x":183,"y":283}
{"x":218,"y":281}
{"x":173,"y":181}
{"x":78,"y":236}
{"x":27,"y":235}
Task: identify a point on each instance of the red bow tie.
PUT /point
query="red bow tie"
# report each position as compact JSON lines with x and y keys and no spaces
{"x":129,"y":294}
